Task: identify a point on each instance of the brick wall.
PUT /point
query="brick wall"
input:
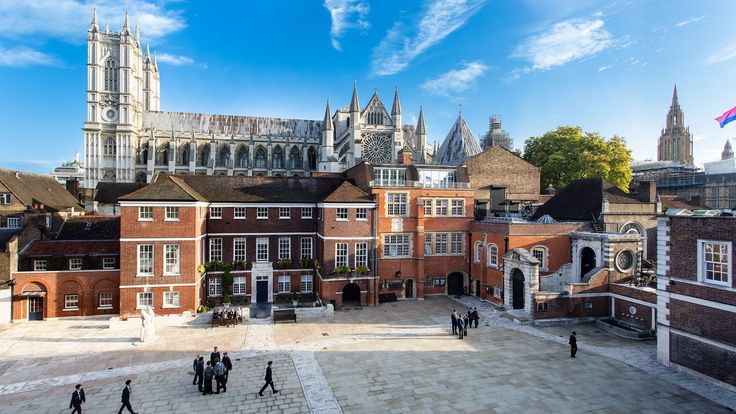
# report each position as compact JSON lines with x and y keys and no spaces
{"x":707,"y":359}
{"x":715,"y":324}
{"x":684,"y":233}
{"x":498,"y":166}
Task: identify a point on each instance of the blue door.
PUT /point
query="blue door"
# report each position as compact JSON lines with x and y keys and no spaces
{"x":262,"y":291}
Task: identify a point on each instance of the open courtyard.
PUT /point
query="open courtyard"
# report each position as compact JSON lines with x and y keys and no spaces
{"x":395,"y":358}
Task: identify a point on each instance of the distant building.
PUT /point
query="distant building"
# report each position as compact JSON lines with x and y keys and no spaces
{"x":676,"y":141}
{"x":726,"y":165}
{"x":672,"y":178}
{"x":496,"y":137}
{"x":459,"y":145}
{"x":70,"y":170}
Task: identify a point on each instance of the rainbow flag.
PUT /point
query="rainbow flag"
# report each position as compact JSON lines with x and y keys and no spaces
{"x":727,"y":117}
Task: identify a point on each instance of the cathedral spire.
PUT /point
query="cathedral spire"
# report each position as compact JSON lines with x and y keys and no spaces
{"x":148,"y":51}
{"x":107,"y":27}
{"x":138,"y":35}
{"x":126,"y":25}
{"x":727,"y":151}
{"x":354,"y":103}
{"x":421,"y":128}
{"x":675,"y":100}
{"x":396,"y":107}
{"x":93,"y":25}
{"x":328,"y":117}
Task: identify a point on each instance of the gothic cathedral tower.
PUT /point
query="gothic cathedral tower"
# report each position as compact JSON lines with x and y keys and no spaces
{"x":676,"y":141}
{"x":122,"y":84}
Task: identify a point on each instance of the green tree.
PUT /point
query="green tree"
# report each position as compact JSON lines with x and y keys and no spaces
{"x":569,"y":153}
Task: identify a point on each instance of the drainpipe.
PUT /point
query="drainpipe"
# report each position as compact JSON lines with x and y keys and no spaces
{"x":470,"y":262}
{"x":317,"y":248}
{"x":374,"y":235}
{"x":205,"y":251}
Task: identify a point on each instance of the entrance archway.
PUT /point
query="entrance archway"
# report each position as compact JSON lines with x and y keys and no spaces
{"x":455,"y":284}
{"x":477,"y":287}
{"x":587,"y":261}
{"x":35,"y":293}
{"x":517,"y":289}
{"x":409,"y":288}
{"x":351,"y":294}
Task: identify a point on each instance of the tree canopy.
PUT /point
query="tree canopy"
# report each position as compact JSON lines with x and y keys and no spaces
{"x":569,"y":153}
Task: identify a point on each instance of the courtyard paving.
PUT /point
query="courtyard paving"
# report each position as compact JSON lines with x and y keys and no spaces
{"x":396,"y":358}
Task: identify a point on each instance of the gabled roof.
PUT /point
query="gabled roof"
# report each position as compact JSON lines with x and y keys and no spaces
{"x":164,"y":188}
{"x":582,"y":200}
{"x":348,"y":193}
{"x":90,"y":228}
{"x":375,"y":101}
{"x":111,"y":192}
{"x":28,"y":187}
{"x":459,"y":144}
{"x":670,"y":201}
{"x":72,"y":248}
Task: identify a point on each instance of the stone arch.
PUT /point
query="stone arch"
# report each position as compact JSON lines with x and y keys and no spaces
{"x":517,"y":289}
{"x":162,"y":154}
{"x":261,"y":157}
{"x":587,"y":260}
{"x":295,"y":158}
{"x":351,"y":294}
{"x":312,"y":158}
{"x":204,"y":155}
{"x":105,"y":286}
{"x":223,"y":156}
{"x":456,"y":282}
{"x":277,"y":157}
{"x":242,"y":158}
{"x":143,"y":153}
{"x":184,"y":154}
{"x":35,"y":306}
{"x":410,"y":288}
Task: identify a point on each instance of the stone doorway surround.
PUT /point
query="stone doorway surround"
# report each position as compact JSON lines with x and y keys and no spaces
{"x":525,"y":262}
{"x":261,"y":271}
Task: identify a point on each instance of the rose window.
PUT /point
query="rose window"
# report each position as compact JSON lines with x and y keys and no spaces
{"x":376,"y":148}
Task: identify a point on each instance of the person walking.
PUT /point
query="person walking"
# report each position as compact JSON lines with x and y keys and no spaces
{"x":77,"y":399}
{"x":220,"y":376}
{"x":573,"y":345}
{"x":228,"y":365}
{"x":199,"y":373}
{"x":269,"y":380}
{"x":476,"y":317}
{"x":126,"y":398}
{"x":453,"y":319}
{"x":215,"y":355}
{"x":194,"y":368}
{"x":460,"y":323}
{"x":209,"y":373}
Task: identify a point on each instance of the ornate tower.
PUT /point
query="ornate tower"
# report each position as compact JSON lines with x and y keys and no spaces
{"x":496,"y":136}
{"x":727,"y":151}
{"x":121,"y":85}
{"x":676,"y":141}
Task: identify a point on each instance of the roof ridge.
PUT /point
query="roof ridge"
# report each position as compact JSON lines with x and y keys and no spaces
{"x":185,"y":187}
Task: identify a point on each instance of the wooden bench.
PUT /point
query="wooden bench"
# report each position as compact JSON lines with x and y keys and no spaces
{"x":223,"y":322}
{"x":284,"y":315}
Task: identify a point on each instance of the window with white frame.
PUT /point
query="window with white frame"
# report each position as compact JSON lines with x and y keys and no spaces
{"x":262,"y":249}
{"x":361,"y":254}
{"x":284,"y":284}
{"x":457,"y":242}
{"x":216,"y":249}
{"x":262,"y":213}
{"x":391,"y":177}
{"x":172,"y":213}
{"x":145,"y":213}
{"x":342,"y":214}
{"x":284,"y":247}
{"x":171,"y":259}
{"x":215,"y":212}
{"x":71,"y":302}
{"x":145,"y":259}
{"x":239,"y":285}
{"x":171,"y":299}
{"x":105,"y":300}
{"x":144,"y":299}
{"x":75,"y":264}
{"x":215,"y":286}
{"x":239,"y":249}
{"x":108,"y":263}
{"x":341,"y":254}
{"x":492,"y":255}
{"x":714,"y":262}
{"x":284,"y":212}
{"x":306,"y":245}
{"x":239,"y":212}
{"x":306,"y":284}
{"x":396,"y":245}
{"x":427,"y":244}
{"x":4,"y":198}
{"x":14,"y":222}
{"x":361,"y":214}
{"x":540,"y":252}
{"x":306,"y":212}
{"x":458,"y":207}
{"x":440,"y":243}
{"x":437,"y":178}
{"x":428,"y":205}
{"x":440,"y":207}
{"x":396,"y":204}
{"x":476,"y":252}
{"x":40,"y":265}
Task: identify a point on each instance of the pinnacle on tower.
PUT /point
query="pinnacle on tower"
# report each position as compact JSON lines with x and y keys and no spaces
{"x":354,"y":104}
{"x":328,"y":117}
{"x":148,"y":50}
{"x":137,"y":34}
{"x":396,"y":107}
{"x":107,"y":27}
{"x":674,"y":94}
{"x":155,"y":63}
{"x":126,"y":25}
{"x":93,"y":25}
{"x":421,"y":128}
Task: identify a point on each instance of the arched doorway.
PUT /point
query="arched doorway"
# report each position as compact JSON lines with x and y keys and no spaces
{"x":477,"y":287}
{"x":455,"y":284}
{"x":587,"y":261}
{"x":351,"y":294}
{"x":517,"y":289}
{"x":409,"y":288}
{"x":35,"y":293}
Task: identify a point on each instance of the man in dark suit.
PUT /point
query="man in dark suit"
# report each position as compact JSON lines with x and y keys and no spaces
{"x":77,"y":399}
{"x":214,"y":357}
{"x":228,"y":365}
{"x":573,"y":345}
{"x":269,"y":381}
{"x":126,"y":398}
{"x":453,"y":320}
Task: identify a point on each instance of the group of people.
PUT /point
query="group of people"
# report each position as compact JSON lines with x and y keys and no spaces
{"x":230,"y":313}
{"x":78,"y":398}
{"x":217,"y":368}
{"x":461,"y":322}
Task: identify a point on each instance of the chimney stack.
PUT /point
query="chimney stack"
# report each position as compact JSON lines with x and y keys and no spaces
{"x":647,"y":191}
{"x":405,"y":156}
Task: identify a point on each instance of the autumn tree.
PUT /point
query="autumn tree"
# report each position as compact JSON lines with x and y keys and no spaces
{"x":569,"y":153}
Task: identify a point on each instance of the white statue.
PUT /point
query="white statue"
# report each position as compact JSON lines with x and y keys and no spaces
{"x":148,"y":331}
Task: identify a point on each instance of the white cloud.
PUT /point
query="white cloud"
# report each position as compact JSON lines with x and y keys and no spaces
{"x":176,"y":60}
{"x":346,"y":14}
{"x":688,"y":21}
{"x":604,"y":68}
{"x":725,"y":54}
{"x":404,"y":43}
{"x":455,"y":81}
{"x":69,"y":19}
{"x":564,"y":42}
{"x":23,"y":56}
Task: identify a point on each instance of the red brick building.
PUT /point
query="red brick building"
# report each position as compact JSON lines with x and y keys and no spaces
{"x":696,"y":295}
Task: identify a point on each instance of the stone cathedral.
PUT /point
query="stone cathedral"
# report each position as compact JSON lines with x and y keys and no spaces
{"x":127,"y":138}
{"x":676,"y":141}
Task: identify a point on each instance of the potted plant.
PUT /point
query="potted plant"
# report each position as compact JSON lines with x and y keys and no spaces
{"x":361,"y":270}
{"x":295,"y":299}
{"x":306,"y":263}
{"x":239,"y":265}
{"x":342,"y":270}
{"x":283,"y":263}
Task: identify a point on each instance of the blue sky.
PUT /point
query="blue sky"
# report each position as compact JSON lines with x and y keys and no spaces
{"x":608,"y":66}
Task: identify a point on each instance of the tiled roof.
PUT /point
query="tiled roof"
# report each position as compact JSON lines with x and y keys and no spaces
{"x":72,"y":248}
{"x":90,"y":228}
{"x":670,"y":201}
{"x":348,"y":193}
{"x":582,"y":200}
{"x":164,"y":188}
{"x":459,"y":145}
{"x":111,"y":192}
{"x":28,"y":187}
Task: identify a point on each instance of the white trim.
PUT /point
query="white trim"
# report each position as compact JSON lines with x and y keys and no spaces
{"x":710,"y":342}
{"x":700,"y":262}
{"x":27,"y":272}
{"x":698,"y":283}
{"x":703,"y":302}
{"x":610,"y":295}
{"x":264,"y":234}
{"x":162,"y":204}
{"x":154,"y":239}
{"x":347,"y":205}
{"x":169,"y":285}
{"x":637,"y":301}
{"x":345,"y":238}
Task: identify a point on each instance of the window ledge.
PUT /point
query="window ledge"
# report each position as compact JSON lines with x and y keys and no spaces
{"x":215,"y":218}
{"x":170,"y":306}
{"x":144,"y":275}
{"x":104,"y":307}
{"x":145,"y":219}
{"x":172,"y":274}
{"x":342,"y":219}
{"x":238,"y":218}
{"x":170,"y":219}
{"x":70,"y":309}
{"x":306,"y":218}
{"x":361,"y":219}
{"x":261,"y":218}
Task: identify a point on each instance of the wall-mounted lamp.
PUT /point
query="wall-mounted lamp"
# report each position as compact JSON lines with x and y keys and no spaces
{"x":398,"y":273}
